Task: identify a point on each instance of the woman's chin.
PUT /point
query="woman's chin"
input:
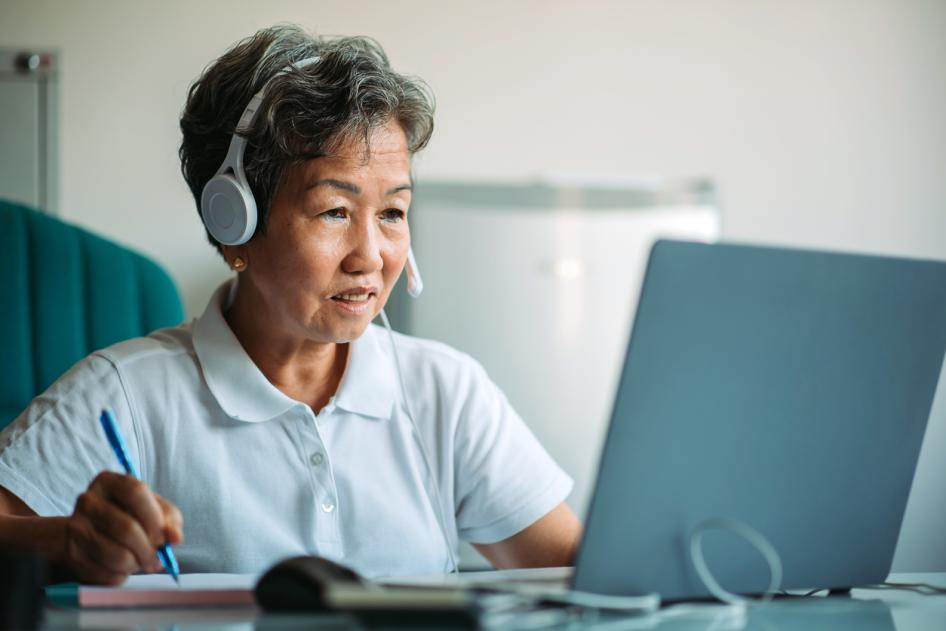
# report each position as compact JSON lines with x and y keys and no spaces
{"x":347,"y":331}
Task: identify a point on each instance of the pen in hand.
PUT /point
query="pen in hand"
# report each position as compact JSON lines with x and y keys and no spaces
{"x":117,"y":442}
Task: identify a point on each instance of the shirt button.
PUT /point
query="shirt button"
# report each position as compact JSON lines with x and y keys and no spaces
{"x":316,"y":459}
{"x":327,"y":507}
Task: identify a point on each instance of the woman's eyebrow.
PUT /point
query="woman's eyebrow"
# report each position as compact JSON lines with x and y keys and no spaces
{"x":398,"y":189}
{"x":345,"y":186}
{"x":354,"y":188}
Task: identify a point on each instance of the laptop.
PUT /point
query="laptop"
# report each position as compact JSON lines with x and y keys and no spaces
{"x":786,"y":390}
{"x":783,"y":390}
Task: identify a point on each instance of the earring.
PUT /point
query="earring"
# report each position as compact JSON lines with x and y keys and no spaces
{"x":238,"y":264}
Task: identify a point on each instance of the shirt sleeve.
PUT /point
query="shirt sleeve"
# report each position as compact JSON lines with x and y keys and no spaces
{"x":56,"y":446}
{"x":505,"y":480}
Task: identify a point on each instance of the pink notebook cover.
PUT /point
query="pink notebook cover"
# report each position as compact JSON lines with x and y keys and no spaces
{"x":160,"y":590}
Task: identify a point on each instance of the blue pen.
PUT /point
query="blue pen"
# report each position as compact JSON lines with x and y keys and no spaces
{"x":115,"y":439}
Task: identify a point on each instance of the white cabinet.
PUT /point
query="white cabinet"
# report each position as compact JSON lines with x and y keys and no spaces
{"x":539,"y":283}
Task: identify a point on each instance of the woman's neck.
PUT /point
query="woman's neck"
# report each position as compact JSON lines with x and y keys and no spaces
{"x":302,"y":369}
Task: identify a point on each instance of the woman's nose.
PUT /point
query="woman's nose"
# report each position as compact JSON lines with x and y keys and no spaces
{"x":364,"y":251}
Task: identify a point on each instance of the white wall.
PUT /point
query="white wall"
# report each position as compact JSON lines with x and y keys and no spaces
{"x":823,"y":122}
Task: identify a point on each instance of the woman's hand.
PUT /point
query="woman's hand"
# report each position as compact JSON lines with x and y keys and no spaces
{"x":116,"y":528}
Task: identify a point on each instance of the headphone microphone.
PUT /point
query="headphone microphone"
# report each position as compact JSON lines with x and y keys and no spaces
{"x":227,"y":205}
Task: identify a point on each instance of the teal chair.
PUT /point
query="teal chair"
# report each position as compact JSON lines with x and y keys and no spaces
{"x":66,"y":292}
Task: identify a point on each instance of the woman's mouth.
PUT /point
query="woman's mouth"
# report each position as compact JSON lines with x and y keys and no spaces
{"x":352,"y":297}
{"x":354,"y":303}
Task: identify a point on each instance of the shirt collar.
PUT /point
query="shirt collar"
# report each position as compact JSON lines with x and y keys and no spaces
{"x":368,"y":386}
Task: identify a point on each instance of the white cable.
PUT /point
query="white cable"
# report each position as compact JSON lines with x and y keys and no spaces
{"x":438,"y":504}
{"x":752,"y":536}
{"x":714,"y":615}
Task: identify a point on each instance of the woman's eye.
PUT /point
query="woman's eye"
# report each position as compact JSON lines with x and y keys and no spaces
{"x":392,"y":215}
{"x":335,"y":214}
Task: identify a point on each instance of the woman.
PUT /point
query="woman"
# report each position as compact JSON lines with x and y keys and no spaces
{"x":282,"y":421}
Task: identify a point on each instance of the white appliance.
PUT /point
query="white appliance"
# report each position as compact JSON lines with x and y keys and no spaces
{"x":538,"y":282}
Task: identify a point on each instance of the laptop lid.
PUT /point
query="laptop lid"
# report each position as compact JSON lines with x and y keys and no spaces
{"x":786,"y":389}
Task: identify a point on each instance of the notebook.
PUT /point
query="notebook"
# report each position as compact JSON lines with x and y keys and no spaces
{"x":160,"y":590}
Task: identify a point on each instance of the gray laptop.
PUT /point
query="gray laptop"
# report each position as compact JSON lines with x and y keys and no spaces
{"x":786,"y":389}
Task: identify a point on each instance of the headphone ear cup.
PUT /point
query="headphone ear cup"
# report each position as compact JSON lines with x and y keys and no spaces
{"x":228,"y":209}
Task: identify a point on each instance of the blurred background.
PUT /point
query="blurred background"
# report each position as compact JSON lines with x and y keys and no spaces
{"x":568,"y":136}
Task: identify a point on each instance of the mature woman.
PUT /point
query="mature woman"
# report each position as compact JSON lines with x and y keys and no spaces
{"x":281,"y":421}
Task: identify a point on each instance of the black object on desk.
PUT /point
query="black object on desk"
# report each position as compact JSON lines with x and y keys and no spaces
{"x":300,"y":584}
{"x":317,"y":585}
{"x":22,"y":576}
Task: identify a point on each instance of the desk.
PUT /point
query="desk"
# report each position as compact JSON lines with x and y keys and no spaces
{"x":867,"y":610}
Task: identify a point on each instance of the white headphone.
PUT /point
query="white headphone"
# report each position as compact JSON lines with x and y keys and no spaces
{"x":227,"y":205}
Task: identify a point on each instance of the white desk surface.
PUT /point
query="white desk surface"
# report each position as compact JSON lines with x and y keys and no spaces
{"x":866,"y":609}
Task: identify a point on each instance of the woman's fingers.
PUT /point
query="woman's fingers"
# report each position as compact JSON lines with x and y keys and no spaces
{"x":116,"y":528}
{"x":88,"y":570}
{"x":96,"y":557}
{"x":173,"y":521}
{"x":109,"y":530}
{"x":134,"y":497}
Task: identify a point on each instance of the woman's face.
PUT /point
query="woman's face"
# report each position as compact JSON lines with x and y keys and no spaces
{"x":336,"y":240}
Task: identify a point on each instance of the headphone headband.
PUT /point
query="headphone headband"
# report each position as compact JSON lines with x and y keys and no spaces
{"x":249,"y":113}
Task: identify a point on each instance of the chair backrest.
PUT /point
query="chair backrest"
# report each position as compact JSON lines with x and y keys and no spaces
{"x":65,"y":293}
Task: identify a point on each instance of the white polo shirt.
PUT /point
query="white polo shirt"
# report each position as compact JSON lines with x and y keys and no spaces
{"x":258,"y":476}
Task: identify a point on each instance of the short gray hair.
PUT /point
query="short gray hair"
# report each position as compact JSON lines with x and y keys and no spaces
{"x":305,"y":113}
